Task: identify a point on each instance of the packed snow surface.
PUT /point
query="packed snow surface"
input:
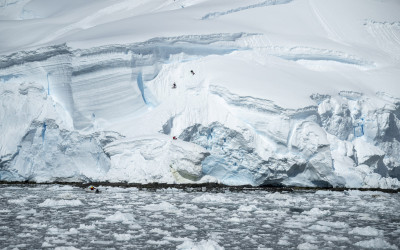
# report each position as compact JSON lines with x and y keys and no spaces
{"x":194,"y":219}
{"x":268,"y":92}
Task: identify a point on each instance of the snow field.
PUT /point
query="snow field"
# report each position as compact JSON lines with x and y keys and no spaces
{"x":284,"y":92}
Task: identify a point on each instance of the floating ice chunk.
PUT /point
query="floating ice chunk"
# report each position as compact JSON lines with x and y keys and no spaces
{"x":60,"y":203}
{"x":177,"y":239}
{"x":211,"y":198}
{"x":309,"y":238}
{"x":66,"y":248}
{"x":54,"y":230}
{"x":94,"y":214}
{"x":187,"y":206}
{"x":121,"y":217}
{"x":335,"y":238}
{"x":320,"y":228}
{"x":46,"y":244}
{"x":159,"y":231}
{"x":294,"y":224}
{"x":307,"y":246}
{"x":316,"y":212}
{"x":34,"y":225}
{"x":158,"y":242}
{"x":122,"y":237}
{"x":72,"y":231}
{"x":18,"y":201}
{"x":102,"y":242}
{"x":58,"y":187}
{"x":30,"y":211}
{"x":283,"y":241}
{"x":235,"y":220}
{"x":336,"y":224}
{"x":249,"y":208}
{"x":117,"y":206}
{"x":67,"y":196}
{"x":163,"y":206}
{"x":87,"y":227}
{"x":190,"y":227}
{"x":365,"y":231}
{"x":278,"y":196}
{"x":327,"y":192}
{"x":202,"y":245}
{"x":377,"y":243}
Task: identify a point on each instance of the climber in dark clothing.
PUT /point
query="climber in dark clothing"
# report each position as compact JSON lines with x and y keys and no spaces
{"x":174,"y":86}
{"x":192,"y":72}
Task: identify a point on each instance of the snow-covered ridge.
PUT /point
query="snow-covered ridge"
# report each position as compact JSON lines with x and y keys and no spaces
{"x":267,"y":92}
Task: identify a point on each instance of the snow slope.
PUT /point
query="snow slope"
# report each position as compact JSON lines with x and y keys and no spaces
{"x":292,"y":92}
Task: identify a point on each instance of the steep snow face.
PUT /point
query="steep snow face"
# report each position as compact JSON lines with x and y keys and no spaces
{"x":267,"y":92}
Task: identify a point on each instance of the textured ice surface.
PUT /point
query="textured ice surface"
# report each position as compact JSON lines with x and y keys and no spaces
{"x":176,"y":219}
{"x":284,"y":92}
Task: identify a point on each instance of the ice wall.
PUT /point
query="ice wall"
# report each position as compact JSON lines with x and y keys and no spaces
{"x":109,"y":114}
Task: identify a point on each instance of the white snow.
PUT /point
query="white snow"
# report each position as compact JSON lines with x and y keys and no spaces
{"x":284,"y":92}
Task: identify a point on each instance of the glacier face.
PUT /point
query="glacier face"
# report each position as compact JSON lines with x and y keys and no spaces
{"x":259,"y":109}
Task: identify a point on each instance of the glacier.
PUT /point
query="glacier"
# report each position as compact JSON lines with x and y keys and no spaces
{"x":283,"y":92}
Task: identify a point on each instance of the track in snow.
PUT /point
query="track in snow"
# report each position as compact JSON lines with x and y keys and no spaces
{"x":252,"y":6}
{"x":386,"y":35}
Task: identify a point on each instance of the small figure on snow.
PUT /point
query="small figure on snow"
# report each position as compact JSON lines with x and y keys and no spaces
{"x":174,"y":138}
{"x":174,"y":86}
{"x":192,"y":72}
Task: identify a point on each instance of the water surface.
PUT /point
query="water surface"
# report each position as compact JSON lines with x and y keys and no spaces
{"x":55,"y":216}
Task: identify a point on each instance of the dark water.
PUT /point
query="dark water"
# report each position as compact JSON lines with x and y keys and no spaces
{"x":66,"y":217}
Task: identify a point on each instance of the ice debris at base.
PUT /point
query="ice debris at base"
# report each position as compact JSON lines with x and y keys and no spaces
{"x":309,"y":103}
{"x":188,"y":219}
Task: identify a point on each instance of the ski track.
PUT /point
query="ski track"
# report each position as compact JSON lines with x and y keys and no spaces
{"x":257,"y":5}
{"x":386,"y":36}
{"x":330,"y":32}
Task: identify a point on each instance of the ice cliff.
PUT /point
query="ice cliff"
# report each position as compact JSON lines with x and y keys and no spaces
{"x":266,"y":105}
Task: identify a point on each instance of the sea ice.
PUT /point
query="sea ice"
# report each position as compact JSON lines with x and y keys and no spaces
{"x":60,"y":203}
